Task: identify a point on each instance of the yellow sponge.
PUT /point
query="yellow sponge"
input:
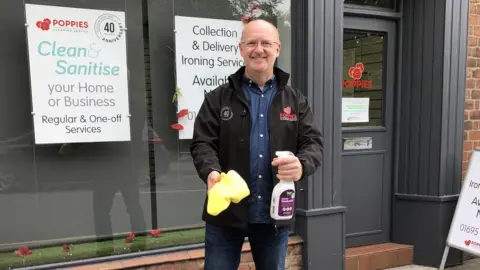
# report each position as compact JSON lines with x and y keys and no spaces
{"x":231,"y":188}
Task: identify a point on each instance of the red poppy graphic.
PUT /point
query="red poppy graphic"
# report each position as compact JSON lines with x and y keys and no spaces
{"x":182,"y":113}
{"x":287,"y":110}
{"x":155,"y":233}
{"x":468,"y":242}
{"x":23,"y":251}
{"x":44,"y":25}
{"x":356,"y":72}
{"x":177,"y":126}
{"x":130,"y":238}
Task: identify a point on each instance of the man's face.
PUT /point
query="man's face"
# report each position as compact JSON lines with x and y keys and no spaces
{"x":260,"y":46}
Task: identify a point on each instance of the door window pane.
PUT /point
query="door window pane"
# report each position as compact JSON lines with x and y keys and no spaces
{"x":362,"y":83}
{"x":72,"y":201}
{"x":374,"y":3}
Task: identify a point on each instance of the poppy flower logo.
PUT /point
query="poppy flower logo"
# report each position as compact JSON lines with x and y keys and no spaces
{"x":44,"y":25}
{"x":287,"y":114}
{"x":356,"y":72}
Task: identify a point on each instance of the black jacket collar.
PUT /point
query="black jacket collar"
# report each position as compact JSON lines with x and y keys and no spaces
{"x":281,"y":76}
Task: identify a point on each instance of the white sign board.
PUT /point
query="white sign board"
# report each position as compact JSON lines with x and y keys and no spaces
{"x":355,"y":110}
{"x":207,"y":52}
{"x":78,"y":74}
{"x":465,"y":227}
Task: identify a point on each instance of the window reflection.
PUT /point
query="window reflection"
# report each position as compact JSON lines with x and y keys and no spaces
{"x":74,"y":201}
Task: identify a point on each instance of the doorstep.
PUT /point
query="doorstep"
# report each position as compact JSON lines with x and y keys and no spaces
{"x":193,"y":259}
{"x":376,"y":257}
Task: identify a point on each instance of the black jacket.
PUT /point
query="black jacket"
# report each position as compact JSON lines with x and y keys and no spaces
{"x":222,"y":132}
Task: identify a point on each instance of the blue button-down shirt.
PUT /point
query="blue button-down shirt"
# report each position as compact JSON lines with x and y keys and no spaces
{"x":260,"y":181}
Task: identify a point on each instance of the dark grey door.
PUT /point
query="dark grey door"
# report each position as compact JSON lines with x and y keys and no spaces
{"x":368,"y":96}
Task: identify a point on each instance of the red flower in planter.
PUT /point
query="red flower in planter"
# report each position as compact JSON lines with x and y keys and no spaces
{"x":177,"y":126}
{"x":155,"y":233}
{"x":246,"y":19}
{"x":130,"y":238}
{"x":23,"y":251}
{"x":182,"y":113}
{"x":66,"y":248}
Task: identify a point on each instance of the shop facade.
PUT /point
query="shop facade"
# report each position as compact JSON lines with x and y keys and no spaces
{"x":386,"y":80}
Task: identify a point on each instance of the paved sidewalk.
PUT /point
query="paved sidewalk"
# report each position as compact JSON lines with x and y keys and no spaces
{"x":473,"y":264}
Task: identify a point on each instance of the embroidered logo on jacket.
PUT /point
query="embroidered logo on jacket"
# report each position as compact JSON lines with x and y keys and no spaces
{"x":287,"y":115}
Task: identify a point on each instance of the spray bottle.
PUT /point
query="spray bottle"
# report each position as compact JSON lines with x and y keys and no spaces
{"x":283,"y":196}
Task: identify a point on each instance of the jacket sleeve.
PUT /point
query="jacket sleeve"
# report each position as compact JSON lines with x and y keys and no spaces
{"x":205,"y":141}
{"x":310,"y":139}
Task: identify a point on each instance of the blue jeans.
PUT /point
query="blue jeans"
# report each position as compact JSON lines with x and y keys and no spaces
{"x":223,"y":246}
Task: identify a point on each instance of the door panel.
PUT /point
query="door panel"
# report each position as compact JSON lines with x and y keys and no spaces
{"x":367,"y":128}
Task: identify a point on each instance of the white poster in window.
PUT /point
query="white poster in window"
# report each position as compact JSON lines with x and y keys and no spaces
{"x":78,"y":74}
{"x":207,"y":52}
{"x":355,"y":110}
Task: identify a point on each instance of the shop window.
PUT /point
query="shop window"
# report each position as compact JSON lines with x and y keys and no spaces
{"x":362,"y":91}
{"x":374,"y":3}
{"x":69,"y":201}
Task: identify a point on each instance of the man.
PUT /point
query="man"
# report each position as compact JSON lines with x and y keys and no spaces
{"x":239,"y":127}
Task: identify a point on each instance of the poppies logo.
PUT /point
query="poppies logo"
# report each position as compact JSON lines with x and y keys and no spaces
{"x":63,"y":25}
{"x":473,"y":244}
{"x":45,"y":24}
{"x":356,"y":74}
{"x":287,"y":114}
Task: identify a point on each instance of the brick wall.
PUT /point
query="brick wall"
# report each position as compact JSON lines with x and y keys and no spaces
{"x":471,"y":135}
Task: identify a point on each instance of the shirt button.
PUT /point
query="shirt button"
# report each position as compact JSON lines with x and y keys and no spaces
{"x":259,"y":197}
{"x":262,"y":95}
{"x":261,"y":155}
{"x":261,"y":115}
{"x":260,"y":176}
{"x":261,"y":135}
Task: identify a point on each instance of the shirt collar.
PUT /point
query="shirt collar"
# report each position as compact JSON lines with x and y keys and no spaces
{"x":249,"y":82}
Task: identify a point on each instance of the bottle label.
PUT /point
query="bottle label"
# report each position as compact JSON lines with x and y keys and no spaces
{"x":286,"y":203}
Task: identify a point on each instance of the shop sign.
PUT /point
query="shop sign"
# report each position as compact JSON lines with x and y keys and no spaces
{"x":356,"y":81}
{"x":78,"y":74}
{"x":207,"y":52}
{"x":464,"y":231}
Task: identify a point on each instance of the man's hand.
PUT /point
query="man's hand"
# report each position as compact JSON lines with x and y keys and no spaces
{"x":213,"y":178}
{"x":289,"y":168}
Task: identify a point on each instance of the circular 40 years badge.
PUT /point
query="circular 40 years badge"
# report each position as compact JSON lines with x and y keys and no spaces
{"x":109,"y":28}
